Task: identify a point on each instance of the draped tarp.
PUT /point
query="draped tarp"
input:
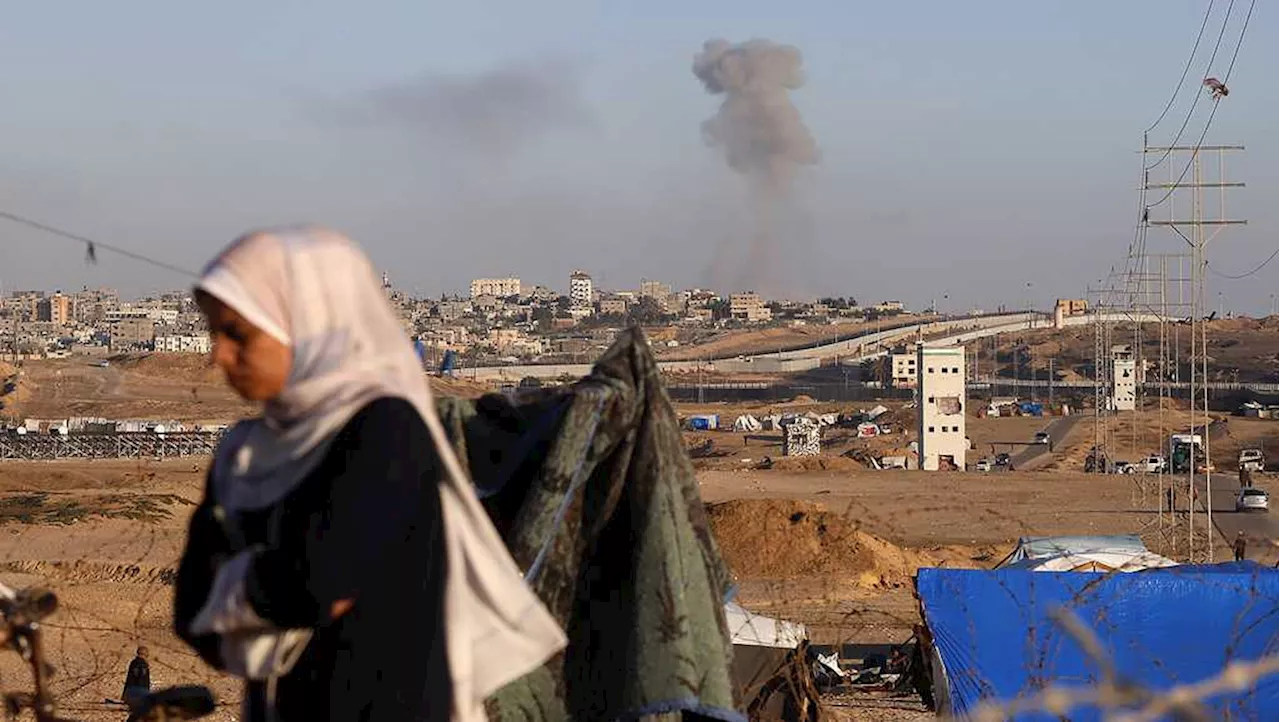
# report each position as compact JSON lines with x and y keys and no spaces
{"x":996,"y":638}
{"x":596,"y":498}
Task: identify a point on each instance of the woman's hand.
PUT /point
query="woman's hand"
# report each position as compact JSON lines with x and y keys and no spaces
{"x":340,"y":607}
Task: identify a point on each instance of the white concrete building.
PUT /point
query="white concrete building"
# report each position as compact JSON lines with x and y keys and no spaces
{"x":940,"y":382}
{"x":184,"y":343}
{"x":903,"y":366}
{"x":498,"y":287}
{"x":581,"y":290}
{"x":1124,"y":379}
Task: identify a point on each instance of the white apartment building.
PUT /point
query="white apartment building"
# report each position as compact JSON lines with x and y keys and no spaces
{"x":581,"y":289}
{"x":184,"y":343}
{"x":1124,"y":379}
{"x":499,"y":287}
{"x":940,"y":380}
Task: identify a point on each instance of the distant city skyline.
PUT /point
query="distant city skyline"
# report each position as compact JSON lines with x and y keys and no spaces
{"x":966,"y":149}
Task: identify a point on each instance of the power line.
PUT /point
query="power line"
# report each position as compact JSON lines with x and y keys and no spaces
{"x":1196,"y":99}
{"x":1209,"y":122}
{"x":1257,"y":268}
{"x":92,"y":245}
{"x":1185,"y":69}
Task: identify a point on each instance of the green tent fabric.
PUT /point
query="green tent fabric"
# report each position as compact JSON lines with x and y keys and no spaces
{"x":594,"y":493}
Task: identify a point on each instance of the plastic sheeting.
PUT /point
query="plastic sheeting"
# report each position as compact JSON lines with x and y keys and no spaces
{"x":1122,"y":552}
{"x":1038,"y":547}
{"x":754,"y":630}
{"x":996,"y":639}
{"x":1095,"y":561}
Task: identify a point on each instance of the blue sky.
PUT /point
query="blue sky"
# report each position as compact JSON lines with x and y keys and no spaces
{"x":967,"y":148}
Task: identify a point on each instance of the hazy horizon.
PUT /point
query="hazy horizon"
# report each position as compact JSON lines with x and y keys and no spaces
{"x":965,"y":150}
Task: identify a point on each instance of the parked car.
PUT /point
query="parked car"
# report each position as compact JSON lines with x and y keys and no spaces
{"x":1252,"y":460}
{"x":1123,"y":467}
{"x":984,"y":464}
{"x":1253,"y":499}
{"x":1003,"y":459}
{"x":1042,"y":437}
{"x":1153,"y":465}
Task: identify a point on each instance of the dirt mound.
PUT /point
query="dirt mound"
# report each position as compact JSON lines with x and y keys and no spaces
{"x":816,"y":463}
{"x":458,"y":387}
{"x":14,"y":389}
{"x":788,"y":539}
{"x":188,"y":367}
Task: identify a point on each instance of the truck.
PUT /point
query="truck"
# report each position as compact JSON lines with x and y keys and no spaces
{"x":1185,"y":451}
{"x":1252,"y":460}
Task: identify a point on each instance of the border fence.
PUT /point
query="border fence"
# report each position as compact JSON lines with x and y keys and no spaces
{"x":37,"y":447}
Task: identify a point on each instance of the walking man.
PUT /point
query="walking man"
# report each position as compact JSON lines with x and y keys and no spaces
{"x":1239,"y":546}
{"x":137,"y":681}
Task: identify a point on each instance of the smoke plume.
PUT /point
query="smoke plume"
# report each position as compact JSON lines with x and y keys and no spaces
{"x":491,"y":112}
{"x":762,"y":135}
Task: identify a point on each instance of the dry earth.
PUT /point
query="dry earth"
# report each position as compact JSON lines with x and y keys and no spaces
{"x":825,"y":541}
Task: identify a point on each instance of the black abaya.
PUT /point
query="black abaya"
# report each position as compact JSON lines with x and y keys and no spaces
{"x":365,"y":525}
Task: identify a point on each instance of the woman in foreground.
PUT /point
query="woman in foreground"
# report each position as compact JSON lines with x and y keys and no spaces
{"x":340,"y":562}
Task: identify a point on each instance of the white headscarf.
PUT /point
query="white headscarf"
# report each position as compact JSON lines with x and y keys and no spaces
{"x":316,"y":292}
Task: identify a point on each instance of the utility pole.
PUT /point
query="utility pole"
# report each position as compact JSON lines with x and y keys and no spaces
{"x":1197,"y":231}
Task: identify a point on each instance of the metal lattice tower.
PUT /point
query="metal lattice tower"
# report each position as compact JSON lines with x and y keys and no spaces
{"x":1203,"y":222}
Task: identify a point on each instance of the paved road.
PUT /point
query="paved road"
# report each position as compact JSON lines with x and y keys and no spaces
{"x":1058,"y":430}
{"x":1257,"y":526}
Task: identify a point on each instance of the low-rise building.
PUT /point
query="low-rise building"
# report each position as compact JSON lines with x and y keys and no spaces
{"x":903,"y":369}
{"x":183,"y":343}
{"x":500,"y":287}
{"x":132,"y":334}
{"x":748,"y":307}
{"x":614,"y":306}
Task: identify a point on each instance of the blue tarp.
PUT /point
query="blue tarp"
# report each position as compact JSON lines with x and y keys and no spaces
{"x":997,"y":640}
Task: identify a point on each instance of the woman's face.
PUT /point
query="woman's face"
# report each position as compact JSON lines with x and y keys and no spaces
{"x":255,"y":363}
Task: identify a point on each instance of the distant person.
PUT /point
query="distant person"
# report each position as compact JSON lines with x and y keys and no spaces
{"x":137,"y":680}
{"x":1246,"y":478}
{"x":340,"y":562}
{"x":1240,"y":546}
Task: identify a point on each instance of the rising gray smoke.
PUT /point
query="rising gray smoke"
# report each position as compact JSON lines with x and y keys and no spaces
{"x":491,"y":112}
{"x":761,"y":132}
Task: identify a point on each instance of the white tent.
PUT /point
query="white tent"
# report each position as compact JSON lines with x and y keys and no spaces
{"x":1095,"y":561}
{"x":754,"y":630}
{"x":747,"y":422}
{"x":1125,"y":553}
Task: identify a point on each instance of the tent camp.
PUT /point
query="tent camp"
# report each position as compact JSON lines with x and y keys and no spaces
{"x":1121,"y":552}
{"x":747,"y":422}
{"x":993,"y":635}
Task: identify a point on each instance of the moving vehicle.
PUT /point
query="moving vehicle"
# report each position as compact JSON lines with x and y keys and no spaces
{"x":1252,"y":460}
{"x":1042,"y":437}
{"x":1002,"y":459}
{"x":1185,"y":451}
{"x":984,"y":464}
{"x":1153,"y":464}
{"x":1252,"y":499}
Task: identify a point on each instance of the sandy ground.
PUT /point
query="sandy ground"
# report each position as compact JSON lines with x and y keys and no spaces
{"x":106,"y":534}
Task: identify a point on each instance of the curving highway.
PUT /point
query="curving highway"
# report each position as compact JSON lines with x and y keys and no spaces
{"x":855,"y":350}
